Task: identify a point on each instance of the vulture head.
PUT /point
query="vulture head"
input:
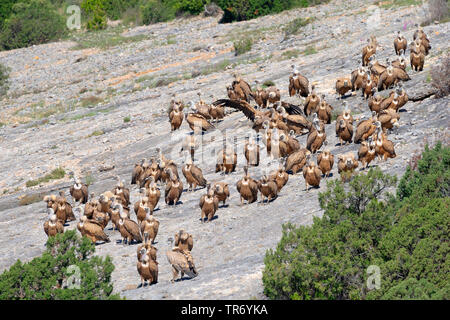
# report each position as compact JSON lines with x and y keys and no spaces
{"x":349,"y":161}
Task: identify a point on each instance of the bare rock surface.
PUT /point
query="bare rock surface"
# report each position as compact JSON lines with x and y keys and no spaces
{"x":90,"y":137}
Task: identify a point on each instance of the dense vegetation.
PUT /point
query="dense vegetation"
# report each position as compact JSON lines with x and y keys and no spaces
{"x":31,"y":22}
{"x":27,"y":22}
{"x":50,"y":275}
{"x":404,"y":235}
{"x":250,"y":9}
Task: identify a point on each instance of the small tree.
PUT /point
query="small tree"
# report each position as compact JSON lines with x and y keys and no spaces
{"x":68,"y":257}
{"x":31,"y":22}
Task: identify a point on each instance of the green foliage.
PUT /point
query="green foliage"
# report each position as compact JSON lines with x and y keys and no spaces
{"x":430,"y":175}
{"x":295,"y":26}
{"x":4,"y":76}
{"x":189,"y":6}
{"x":31,"y":22}
{"x":242,"y":45}
{"x":5,"y":10}
{"x":47,"y":277}
{"x":238,"y":10}
{"x":126,"y":119}
{"x":115,"y":8}
{"x":95,"y":12}
{"x":155,"y":11}
{"x":58,"y":173}
{"x":404,"y":235}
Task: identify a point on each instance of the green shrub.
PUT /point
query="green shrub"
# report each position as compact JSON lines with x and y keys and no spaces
{"x":242,"y":45}
{"x":4,"y":76}
{"x":155,"y":11}
{"x":115,"y":8}
{"x":31,"y":22}
{"x":189,"y":6}
{"x":238,"y":10}
{"x":48,"y":277}
{"x":404,"y":235}
{"x":58,"y":173}
{"x":5,"y":10}
{"x":126,"y":119}
{"x":295,"y":26}
{"x":95,"y":13}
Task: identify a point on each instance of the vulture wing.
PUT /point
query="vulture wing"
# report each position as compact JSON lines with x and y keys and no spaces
{"x":46,"y":223}
{"x":304,"y":85}
{"x":243,"y":106}
{"x":311,"y":137}
{"x":401,"y":74}
{"x":291,"y":86}
{"x":202,"y":201}
{"x":198,"y":175}
{"x":93,"y":228}
{"x":389,"y":146}
{"x":133,"y":228}
{"x":291,"y":108}
{"x":298,"y":120}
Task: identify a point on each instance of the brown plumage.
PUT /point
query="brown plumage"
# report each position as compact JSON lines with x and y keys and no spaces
{"x":316,"y":137}
{"x":176,"y":117}
{"x":312,"y":175}
{"x":344,"y":125}
{"x":366,"y":152}
{"x":153,"y":195}
{"x":241,"y":88}
{"x":389,"y":119}
{"x":376,"y":68}
{"x":122,"y":193}
{"x":174,"y":188}
{"x":90,"y":206}
{"x":296,"y":161}
{"x":343,"y":85}
{"x":222,"y":191}
{"x":164,"y":164}
{"x":298,"y":84}
{"x":79,"y":191}
{"x":400,"y":62}
{"x":197,"y":121}
{"x":129,"y":229}
{"x":280,"y":177}
{"x":182,"y":262}
{"x":324,"y":111}
{"x":391,"y":76}
{"x":417,"y":61}
{"x":358,"y":77}
{"x":369,"y":50}
{"x":251,"y":151}
{"x":268,"y":189}
{"x":365,"y":129}
{"x":184,"y":240}
{"x":209,"y":204}
{"x":138,"y":173}
{"x":226,"y":160}
{"x":368,"y":86}
{"x":149,"y":226}
{"x":311,"y":103}
{"x":140,"y":208}
{"x":375,"y":101}
{"x":247,"y":188}
{"x":346,"y":165}
{"x":400,"y":43}
{"x":52,"y":226}
{"x":419,"y":34}
{"x":193,"y":174}
{"x":325,"y":161}
{"x":384,"y":148}
{"x":147,"y":268}
{"x":217,"y":112}
{"x":92,"y":229}
{"x":151,"y":250}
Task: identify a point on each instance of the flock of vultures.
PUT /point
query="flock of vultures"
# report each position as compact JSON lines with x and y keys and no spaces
{"x":277,"y":124}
